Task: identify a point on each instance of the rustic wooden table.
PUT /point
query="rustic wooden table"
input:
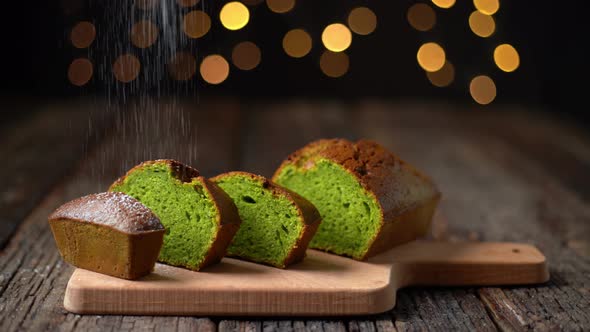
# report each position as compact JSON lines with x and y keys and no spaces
{"x":507,"y":174}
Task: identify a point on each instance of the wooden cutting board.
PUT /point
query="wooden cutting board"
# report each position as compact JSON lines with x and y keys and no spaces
{"x":323,"y":284}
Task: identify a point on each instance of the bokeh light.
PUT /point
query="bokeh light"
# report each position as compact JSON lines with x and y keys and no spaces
{"x":297,"y":43}
{"x":182,"y":66}
{"x":481,"y":24}
{"x":234,"y":15}
{"x":196,"y":24}
{"x":80,"y":71}
{"x":334,"y":64}
{"x":482,"y":89}
{"x":126,"y":68}
{"x":488,"y":7}
{"x":506,"y":58}
{"x":280,"y":6}
{"x":214,"y":69}
{"x":421,"y":17}
{"x":144,"y":34}
{"x":444,"y":3}
{"x":442,"y":77}
{"x":246,"y":55}
{"x":187,"y":3}
{"x":146,"y":4}
{"x":362,"y":21}
{"x":431,"y":56}
{"x":336,"y":37}
{"x":83,"y":34}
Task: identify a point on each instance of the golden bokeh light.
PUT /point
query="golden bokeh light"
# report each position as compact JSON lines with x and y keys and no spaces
{"x":431,"y":56}
{"x":362,"y":21}
{"x":336,"y":37}
{"x":334,"y":64}
{"x":214,"y":69}
{"x":442,"y":77}
{"x":83,"y":34}
{"x":297,"y":43}
{"x":182,"y":66}
{"x":187,"y":3}
{"x":421,"y":17}
{"x":146,"y":4}
{"x":488,"y":7}
{"x":246,"y":55}
{"x":506,"y":58}
{"x":234,"y":15}
{"x":196,"y":24}
{"x":80,"y":71}
{"x":482,"y":89}
{"x":144,"y":34}
{"x":481,"y":24}
{"x":280,"y":6}
{"x":444,"y":3}
{"x":126,"y":68}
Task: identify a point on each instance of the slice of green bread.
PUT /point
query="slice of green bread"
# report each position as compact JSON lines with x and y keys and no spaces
{"x":369,"y":199}
{"x":277,"y":224}
{"x":200,"y":219}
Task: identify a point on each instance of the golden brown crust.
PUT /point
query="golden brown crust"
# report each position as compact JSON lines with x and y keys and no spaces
{"x":182,"y":172}
{"x":109,"y":233}
{"x":406,"y":227}
{"x":227,"y":217}
{"x":305,"y":209}
{"x":398,"y":187}
{"x":311,"y":219}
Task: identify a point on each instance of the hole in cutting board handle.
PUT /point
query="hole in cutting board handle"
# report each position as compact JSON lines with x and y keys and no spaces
{"x":516,"y":251}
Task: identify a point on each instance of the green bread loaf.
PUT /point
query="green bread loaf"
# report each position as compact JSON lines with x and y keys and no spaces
{"x":369,"y":199}
{"x":200,"y":219}
{"x":277,"y":224}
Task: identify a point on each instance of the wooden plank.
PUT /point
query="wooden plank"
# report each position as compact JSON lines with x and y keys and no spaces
{"x":440,"y":310}
{"x":239,"y":326}
{"x":274,"y":131}
{"x":414,"y":132}
{"x":135,"y":323}
{"x":40,"y":149}
{"x":361,"y":325}
{"x":379,"y":323}
{"x":33,"y":276}
{"x":494,"y":190}
{"x":384,"y":323}
{"x":311,"y":122}
{"x":524,"y":202}
{"x":563,"y":303}
{"x":561,"y":150}
{"x":321,"y":285}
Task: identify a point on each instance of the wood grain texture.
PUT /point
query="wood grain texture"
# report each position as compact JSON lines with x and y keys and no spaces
{"x":42,"y":148}
{"x":497,"y":187}
{"x":495,"y":192}
{"x":321,"y":285}
{"x":34,"y":277}
{"x":291,"y":125}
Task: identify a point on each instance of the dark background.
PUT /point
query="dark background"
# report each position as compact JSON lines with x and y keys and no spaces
{"x":548,"y":36}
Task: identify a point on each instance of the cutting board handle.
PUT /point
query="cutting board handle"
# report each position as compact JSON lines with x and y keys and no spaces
{"x":465,"y":264}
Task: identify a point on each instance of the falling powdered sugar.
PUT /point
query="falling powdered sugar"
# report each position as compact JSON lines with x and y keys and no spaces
{"x":116,"y":210}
